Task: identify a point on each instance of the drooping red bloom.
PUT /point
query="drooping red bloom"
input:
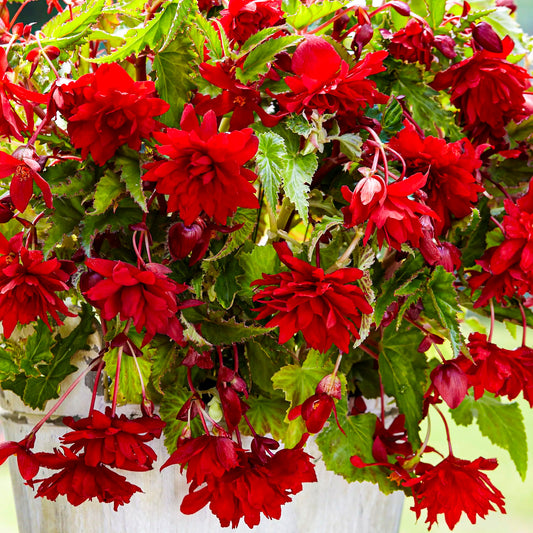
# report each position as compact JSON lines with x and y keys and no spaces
{"x":488,"y":90}
{"x":205,"y":170}
{"x":244,"y":18}
{"x":107,"y":109}
{"x":116,"y":441}
{"x":260,"y":484}
{"x":508,"y":268}
{"x":387,"y":208}
{"x":451,"y":185}
{"x":497,"y":370}
{"x":450,"y":382}
{"x":413,"y":43}
{"x":80,"y":482}
{"x":205,"y":456}
{"x":23,"y":173}
{"x":324,"y":82}
{"x":239,"y":99}
{"x":27,"y":462}
{"x":229,"y":386}
{"x":392,"y":440}
{"x":11,"y":124}
{"x":316,"y":409}
{"x":147,"y":296}
{"x":326,"y":308}
{"x":453,"y":487}
{"x":29,"y":285}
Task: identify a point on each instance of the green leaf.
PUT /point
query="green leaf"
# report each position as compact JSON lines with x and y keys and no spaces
{"x":38,"y":349}
{"x":337,"y":449}
{"x":258,"y":38}
{"x":409,"y":269}
{"x":226,"y":286}
{"x":67,"y":214}
{"x":8,"y":368}
{"x":173,"y":67}
{"x":271,"y":161}
{"x":298,"y":176}
{"x":436,"y":9}
{"x":162,"y":26}
{"x":61,"y":31}
{"x":502,"y":423}
{"x":258,"y":61}
{"x":299,"y":124}
{"x":350,"y":144}
{"x":441,"y":298}
{"x":298,"y":382}
{"x":230,"y":332}
{"x":403,"y":370}
{"x":248,"y":218}
{"x":210,"y":37}
{"x":326,"y":224}
{"x":473,"y":237}
{"x":164,"y":360}
{"x":46,"y":386}
{"x":264,"y":360}
{"x":130,"y":175}
{"x":267,"y":416}
{"x":261,"y":260}
{"x":108,"y":189}
{"x":307,"y":14}
{"x":171,"y":404}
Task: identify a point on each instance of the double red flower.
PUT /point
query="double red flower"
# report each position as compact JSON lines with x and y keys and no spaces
{"x":115,"y":441}
{"x":387,"y":208}
{"x":488,"y":90}
{"x":508,"y":268}
{"x":324,"y":82}
{"x":80,"y":482}
{"x":453,"y":487}
{"x":147,"y":296}
{"x":451,"y":186}
{"x":107,"y":109}
{"x":205,"y":170}
{"x":29,"y":285}
{"x":236,"y":483}
{"x":326,"y":308}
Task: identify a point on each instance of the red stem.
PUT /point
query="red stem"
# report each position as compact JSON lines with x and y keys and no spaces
{"x":491,"y":320}
{"x":447,"y":430}
{"x":95,"y":387}
{"x":524,"y":324}
{"x":117,"y":380}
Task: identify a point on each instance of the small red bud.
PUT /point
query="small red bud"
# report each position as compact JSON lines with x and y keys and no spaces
{"x":445,"y":45}
{"x":487,"y":38}
{"x":182,"y":239}
{"x":33,"y":54}
{"x":6,"y":209}
{"x":52,"y":51}
{"x":330,"y":385}
{"x":401,"y":7}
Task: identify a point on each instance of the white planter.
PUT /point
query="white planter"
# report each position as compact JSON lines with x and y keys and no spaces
{"x":330,"y":506}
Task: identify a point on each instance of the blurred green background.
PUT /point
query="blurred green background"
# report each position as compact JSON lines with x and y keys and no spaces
{"x":467,"y":442}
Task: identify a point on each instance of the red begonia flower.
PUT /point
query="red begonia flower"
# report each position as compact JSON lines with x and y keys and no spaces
{"x":205,"y":456}
{"x":147,"y":296}
{"x":28,"y":285}
{"x":107,"y":109}
{"x":10,"y":93}
{"x":116,"y":441}
{"x":497,"y":370}
{"x":23,"y":173}
{"x":239,"y":99}
{"x":387,"y":208}
{"x":450,"y":382}
{"x":488,"y":90}
{"x":326,"y":308}
{"x":324,"y":82}
{"x":204,"y":171}
{"x":258,"y":485}
{"x":80,"y":482}
{"x":451,"y":185}
{"x":391,"y":441}
{"x":27,"y":462}
{"x":413,"y":43}
{"x":244,"y":18}
{"x":508,"y":268}
{"x":453,"y":487}
{"x":229,"y":386}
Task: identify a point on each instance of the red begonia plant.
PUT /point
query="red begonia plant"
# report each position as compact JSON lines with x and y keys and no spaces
{"x":281,"y":208}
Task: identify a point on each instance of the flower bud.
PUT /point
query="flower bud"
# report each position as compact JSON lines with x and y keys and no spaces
{"x":182,"y":239}
{"x":487,"y":38}
{"x":330,"y":385}
{"x":6,"y":210}
{"x":400,"y":7}
{"x":451,"y":383}
{"x":445,"y":45}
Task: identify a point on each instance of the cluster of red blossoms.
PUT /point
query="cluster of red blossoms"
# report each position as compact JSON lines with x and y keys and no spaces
{"x":97,"y":444}
{"x":238,"y":483}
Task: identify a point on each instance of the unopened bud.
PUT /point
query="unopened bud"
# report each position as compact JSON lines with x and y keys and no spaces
{"x":487,"y":38}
